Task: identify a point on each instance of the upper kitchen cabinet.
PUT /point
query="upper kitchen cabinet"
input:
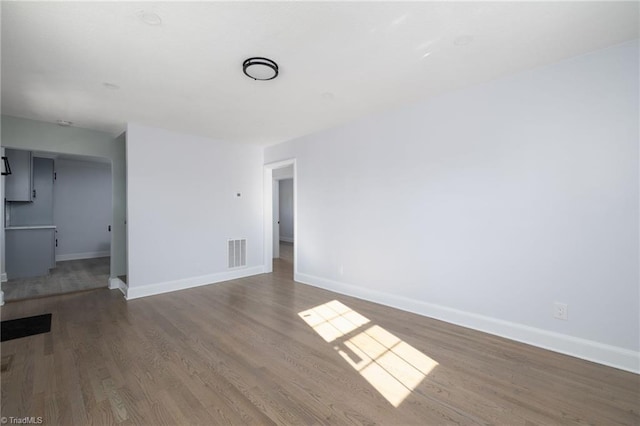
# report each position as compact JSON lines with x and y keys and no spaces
{"x":19,"y":184}
{"x":40,"y":210}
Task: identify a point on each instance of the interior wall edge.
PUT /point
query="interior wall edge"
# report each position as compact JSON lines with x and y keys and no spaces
{"x":601,"y":353}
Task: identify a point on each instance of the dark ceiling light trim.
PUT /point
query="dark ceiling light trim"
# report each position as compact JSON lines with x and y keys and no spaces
{"x":260,"y":68}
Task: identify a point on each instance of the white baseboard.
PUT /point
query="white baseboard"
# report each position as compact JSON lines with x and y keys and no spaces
{"x":613,"y":356}
{"x":169,"y":286}
{"x":118,"y":284}
{"x":78,"y":256}
{"x":3,"y":277}
{"x":124,"y":289}
{"x":286,"y":239}
{"x":115,"y":283}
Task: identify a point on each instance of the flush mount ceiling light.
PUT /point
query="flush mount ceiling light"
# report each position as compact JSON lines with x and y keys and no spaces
{"x":260,"y":68}
{"x":328,"y":96}
{"x":64,"y":123}
{"x":150,"y":18}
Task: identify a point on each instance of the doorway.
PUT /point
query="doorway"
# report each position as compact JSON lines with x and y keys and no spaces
{"x":59,"y":241}
{"x":281,"y":243}
{"x":284,"y":222}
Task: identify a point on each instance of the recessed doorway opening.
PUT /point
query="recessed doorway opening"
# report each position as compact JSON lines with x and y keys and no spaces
{"x":57,"y":234}
{"x":280,"y":217}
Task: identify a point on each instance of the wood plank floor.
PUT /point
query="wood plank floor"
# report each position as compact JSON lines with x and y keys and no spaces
{"x":239,"y":352}
{"x":286,"y":251}
{"x":67,"y":277}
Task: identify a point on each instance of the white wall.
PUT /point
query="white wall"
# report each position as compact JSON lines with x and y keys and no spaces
{"x":183,"y":207}
{"x":484,"y":206}
{"x":286,"y":209}
{"x":82,"y":209}
{"x":35,"y":135}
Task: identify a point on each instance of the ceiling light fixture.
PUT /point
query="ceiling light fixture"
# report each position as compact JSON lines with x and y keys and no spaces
{"x":64,"y":123}
{"x":328,"y":96}
{"x":260,"y":68}
{"x":150,"y":18}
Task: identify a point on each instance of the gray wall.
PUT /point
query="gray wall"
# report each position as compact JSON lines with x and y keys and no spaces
{"x":82,"y":209}
{"x":35,"y":135}
{"x":286,"y":210}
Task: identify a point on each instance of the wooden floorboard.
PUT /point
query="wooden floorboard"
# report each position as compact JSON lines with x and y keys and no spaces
{"x":67,"y":277}
{"x":238,"y":352}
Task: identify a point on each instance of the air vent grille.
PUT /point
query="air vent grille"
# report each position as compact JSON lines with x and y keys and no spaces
{"x":237,"y":253}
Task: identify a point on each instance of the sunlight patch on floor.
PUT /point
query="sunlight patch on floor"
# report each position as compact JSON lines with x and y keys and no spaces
{"x":392,"y":366}
{"x":333,"y":320}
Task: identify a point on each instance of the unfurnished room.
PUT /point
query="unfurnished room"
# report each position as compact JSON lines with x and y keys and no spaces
{"x":297,"y":213}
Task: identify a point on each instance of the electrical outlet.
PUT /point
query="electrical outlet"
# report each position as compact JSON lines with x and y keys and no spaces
{"x":560,"y":311}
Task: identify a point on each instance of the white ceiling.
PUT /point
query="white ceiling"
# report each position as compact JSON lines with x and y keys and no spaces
{"x":338,"y":60}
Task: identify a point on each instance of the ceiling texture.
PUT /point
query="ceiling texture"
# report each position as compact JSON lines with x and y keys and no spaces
{"x":178,"y":65}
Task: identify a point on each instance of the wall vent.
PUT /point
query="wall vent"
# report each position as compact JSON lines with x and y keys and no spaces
{"x":237,"y":253}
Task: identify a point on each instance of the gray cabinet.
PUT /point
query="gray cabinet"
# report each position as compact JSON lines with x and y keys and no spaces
{"x":30,"y":237}
{"x":30,"y":251}
{"x":19,"y":184}
{"x":40,"y":210}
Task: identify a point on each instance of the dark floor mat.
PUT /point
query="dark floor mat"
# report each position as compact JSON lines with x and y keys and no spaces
{"x":23,"y":327}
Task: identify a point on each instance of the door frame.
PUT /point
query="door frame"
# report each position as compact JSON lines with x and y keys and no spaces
{"x":268,"y":213}
{"x":275,"y":221}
